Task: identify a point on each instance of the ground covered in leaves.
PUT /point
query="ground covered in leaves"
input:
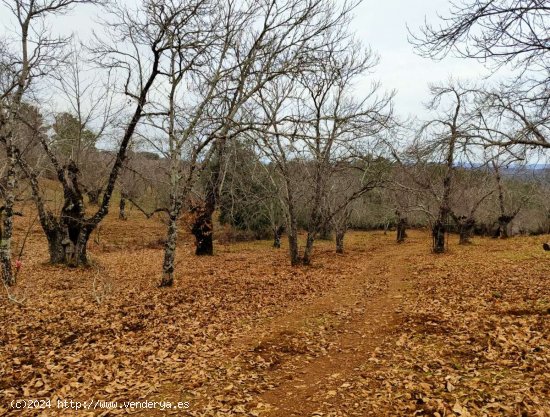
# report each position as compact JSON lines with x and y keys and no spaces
{"x":383,"y":330}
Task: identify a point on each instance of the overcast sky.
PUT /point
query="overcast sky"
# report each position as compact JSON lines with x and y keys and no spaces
{"x":382,"y":24}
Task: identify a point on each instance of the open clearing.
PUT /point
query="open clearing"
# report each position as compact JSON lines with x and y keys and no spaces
{"x":384,"y":330}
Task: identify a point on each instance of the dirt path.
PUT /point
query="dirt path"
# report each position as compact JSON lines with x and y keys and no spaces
{"x":297,"y":363}
{"x":309,"y":385}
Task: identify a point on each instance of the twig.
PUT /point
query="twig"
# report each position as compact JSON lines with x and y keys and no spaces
{"x":149,"y":214}
{"x":11,"y":297}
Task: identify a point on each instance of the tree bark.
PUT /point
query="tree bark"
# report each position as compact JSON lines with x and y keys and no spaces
{"x":438,"y":233}
{"x":325,"y":232}
{"x":401,"y":230}
{"x":68,"y":245}
{"x":6,"y":231}
{"x":340,"y":241}
{"x":122,"y":207}
{"x":503,"y":222}
{"x":93,"y":196}
{"x":5,"y":260}
{"x":74,"y":227}
{"x":308,"y":251}
{"x":466,"y":228}
{"x":202,"y":230}
{"x":292,"y":227}
{"x":277,"y":233}
{"x":170,"y":250}
{"x":293,"y":246}
{"x":56,"y":249}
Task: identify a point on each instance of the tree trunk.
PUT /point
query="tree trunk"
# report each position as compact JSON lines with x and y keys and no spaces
{"x":122,"y":207}
{"x":93,"y":196}
{"x":75,"y":239}
{"x":465,"y":231}
{"x":401,"y":230}
{"x":55,"y":246}
{"x":464,"y":237}
{"x":503,"y":222}
{"x":80,"y":256}
{"x":170,"y":251}
{"x":293,"y":235}
{"x":292,"y":227}
{"x":316,"y":224}
{"x":68,"y":245}
{"x":6,"y":230}
{"x":325,"y":233}
{"x":340,"y":241}
{"x":277,"y":233}
{"x":202,"y":230}
{"x":5,"y":259}
{"x":291,"y":223}
{"x":308,"y":252}
{"x":68,"y":238}
{"x":438,"y":233}
{"x":293,"y":247}
{"x":68,"y":234}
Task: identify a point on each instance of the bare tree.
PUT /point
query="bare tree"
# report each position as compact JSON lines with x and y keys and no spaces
{"x":514,"y":120}
{"x":249,"y":199}
{"x":340,"y":221}
{"x":29,"y":56}
{"x":504,"y":151}
{"x":508,"y":31}
{"x":509,"y":204}
{"x":89,"y":96}
{"x":504,"y":32}
{"x":288,"y":41}
{"x":473,"y":186}
{"x":138,"y":40}
{"x":438,"y":146}
{"x":242,"y":52}
{"x":315,"y":125}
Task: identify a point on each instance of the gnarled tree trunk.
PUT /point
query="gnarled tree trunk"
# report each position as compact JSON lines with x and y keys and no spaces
{"x":67,"y":245}
{"x":73,"y":226}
